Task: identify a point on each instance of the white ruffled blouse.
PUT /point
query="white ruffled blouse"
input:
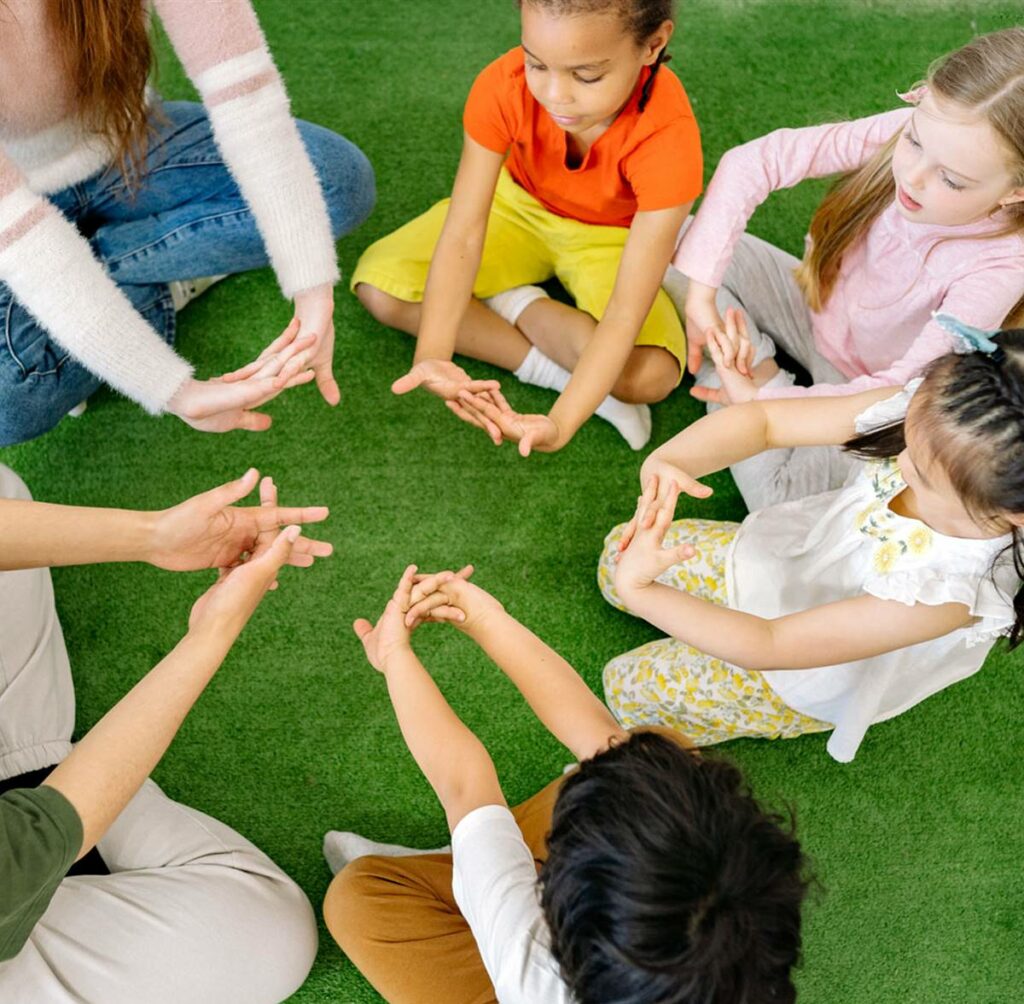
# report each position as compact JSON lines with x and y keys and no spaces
{"x":844,"y":543}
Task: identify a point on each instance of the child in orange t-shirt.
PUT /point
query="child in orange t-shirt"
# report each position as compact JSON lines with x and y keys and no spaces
{"x":581,"y":160}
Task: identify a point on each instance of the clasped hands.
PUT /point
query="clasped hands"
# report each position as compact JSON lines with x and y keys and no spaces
{"x":303,"y":352}
{"x":728,"y":343}
{"x":439,"y":597}
{"x":247,"y":545}
{"x":480,"y":403}
{"x":642,"y":555}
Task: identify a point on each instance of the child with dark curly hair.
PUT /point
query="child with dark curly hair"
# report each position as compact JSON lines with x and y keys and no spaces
{"x":661,"y":879}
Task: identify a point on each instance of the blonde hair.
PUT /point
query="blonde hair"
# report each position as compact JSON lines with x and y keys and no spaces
{"x":986,"y":76}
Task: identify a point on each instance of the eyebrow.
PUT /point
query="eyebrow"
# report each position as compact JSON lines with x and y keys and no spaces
{"x":950,"y":170}
{"x":578,"y":66}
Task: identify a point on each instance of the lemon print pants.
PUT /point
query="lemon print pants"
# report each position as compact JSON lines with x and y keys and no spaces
{"x":667,"y":682}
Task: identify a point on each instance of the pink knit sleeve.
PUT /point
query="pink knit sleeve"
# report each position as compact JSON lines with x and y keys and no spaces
{"x":52,"y":272}
{"x":223,"y":50}
{"x":981,"y":299}
{"x":748,"y":174}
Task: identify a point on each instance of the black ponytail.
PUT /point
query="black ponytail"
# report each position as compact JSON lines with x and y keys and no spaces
{"x":975,"y":407}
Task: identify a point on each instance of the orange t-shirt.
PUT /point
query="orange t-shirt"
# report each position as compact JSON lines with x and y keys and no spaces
{"x":644,"y":160}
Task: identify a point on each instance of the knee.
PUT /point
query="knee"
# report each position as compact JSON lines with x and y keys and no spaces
{"x":346,"y":177}
{"x":11,"y":486}
{"x":287,"y":944}
{"x":29,"y":408}
{"x":347,"y":909}
{"x":650,"y":375}
{"x":606,"y":567}
{"x":384,"y":307}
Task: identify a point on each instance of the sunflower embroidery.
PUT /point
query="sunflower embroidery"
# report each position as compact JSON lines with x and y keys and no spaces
{"x":896,"y":536}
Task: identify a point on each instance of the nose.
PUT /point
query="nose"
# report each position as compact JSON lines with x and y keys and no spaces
{"x":914,"y":175}
{"x":559,"y":92}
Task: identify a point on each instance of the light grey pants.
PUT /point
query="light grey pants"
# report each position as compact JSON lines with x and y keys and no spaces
{"x":760,"y":282}
{"x":191,"y":913}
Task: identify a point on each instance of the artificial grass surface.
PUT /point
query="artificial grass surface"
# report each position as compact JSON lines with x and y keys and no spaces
{"x":917,"y":843}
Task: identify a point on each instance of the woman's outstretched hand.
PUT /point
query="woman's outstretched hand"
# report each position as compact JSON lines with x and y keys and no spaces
{"x":211,"y":530}
{"x":228,"y":402}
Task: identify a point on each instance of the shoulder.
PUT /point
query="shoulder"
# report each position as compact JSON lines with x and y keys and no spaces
{"x":504,"y":75}
{"x":495,"y":885}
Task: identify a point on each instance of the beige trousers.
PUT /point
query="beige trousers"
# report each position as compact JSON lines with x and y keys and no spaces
{"x":191,"y":912}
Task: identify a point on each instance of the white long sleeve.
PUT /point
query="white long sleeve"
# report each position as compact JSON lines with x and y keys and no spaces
{"x":226,"y":56}
{"x":54,"y":275}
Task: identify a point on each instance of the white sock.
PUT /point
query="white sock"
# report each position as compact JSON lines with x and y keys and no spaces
{"x":512,"y":302}
{"x":632,"y":421}
{"x":184,"y":291}
{"x":79,"y":409}
{"x":341,"y":847}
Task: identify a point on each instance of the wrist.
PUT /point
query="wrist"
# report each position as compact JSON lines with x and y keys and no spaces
{"x":398,"y":659}
{"x":179,"y":405}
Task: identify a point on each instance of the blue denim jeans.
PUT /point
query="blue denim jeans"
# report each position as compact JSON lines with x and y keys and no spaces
{"x":187,"y":219}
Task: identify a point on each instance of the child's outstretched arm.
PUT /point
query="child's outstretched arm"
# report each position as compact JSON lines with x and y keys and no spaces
{"x":559,"y":697}
{"x":452,"y":759}
{"x":452,"y":275}
{"x":644,"y":259}
{"x":729,"y":435}
{"x":821,"y":636}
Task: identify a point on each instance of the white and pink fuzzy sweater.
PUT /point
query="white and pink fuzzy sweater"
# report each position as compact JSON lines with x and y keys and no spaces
{"x":51,"y":269}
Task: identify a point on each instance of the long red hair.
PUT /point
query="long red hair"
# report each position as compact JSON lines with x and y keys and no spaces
{"x":105,"y":48}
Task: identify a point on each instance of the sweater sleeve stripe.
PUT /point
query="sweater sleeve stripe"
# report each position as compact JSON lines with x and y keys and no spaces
{"x":243,"y":87}
{"x":231,"y":66}
{"x":232,"y":71}
{"x":54,"y":275}
{"x":24,"y":223}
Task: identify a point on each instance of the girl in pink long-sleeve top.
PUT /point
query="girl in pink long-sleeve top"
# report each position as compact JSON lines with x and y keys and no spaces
{"x":928,"y":216}
{"x":110,"y":198}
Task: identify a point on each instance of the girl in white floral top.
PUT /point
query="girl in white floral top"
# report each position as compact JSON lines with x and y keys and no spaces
{"x":845,"y":608}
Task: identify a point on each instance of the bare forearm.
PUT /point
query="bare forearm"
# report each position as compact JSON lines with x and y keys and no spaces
{"x":449,"y":288}
{"x":558,"y":695}
{"x":452,"y":759}
{"x":38,"y":534}
{"x":108,"y":766}
{"x":715,"y":441}
{"x":738,"y":638}
{"x":594,"y":375}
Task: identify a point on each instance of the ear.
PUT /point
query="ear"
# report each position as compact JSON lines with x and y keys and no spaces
{"x":1015,"y":519}
{"x":657,"y":41}
{"x":1014,"y":196}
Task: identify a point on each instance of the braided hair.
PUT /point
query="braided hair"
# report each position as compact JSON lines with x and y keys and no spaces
{"x":974,"y":405}
{"x":641,"y":18}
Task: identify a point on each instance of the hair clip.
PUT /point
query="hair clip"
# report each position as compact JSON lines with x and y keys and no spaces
{"x":970,"y":339}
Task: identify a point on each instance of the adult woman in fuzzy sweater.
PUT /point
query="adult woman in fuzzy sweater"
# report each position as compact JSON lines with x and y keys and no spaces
{"x":110,"y":201}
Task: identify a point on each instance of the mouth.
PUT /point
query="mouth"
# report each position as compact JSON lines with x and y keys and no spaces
{"x":565,"y":121}
{"x":906,"y":201}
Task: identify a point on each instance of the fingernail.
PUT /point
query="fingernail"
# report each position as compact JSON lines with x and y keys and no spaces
{"x":292,"y":533}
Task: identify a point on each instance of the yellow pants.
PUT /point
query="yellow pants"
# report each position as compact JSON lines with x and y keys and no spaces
{"x":525,"y":244}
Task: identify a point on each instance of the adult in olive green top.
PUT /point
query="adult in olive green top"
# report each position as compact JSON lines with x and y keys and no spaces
{"x":189,"y":910}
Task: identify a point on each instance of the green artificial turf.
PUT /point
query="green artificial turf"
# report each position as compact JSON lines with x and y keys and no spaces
{"x":917,"y":843}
